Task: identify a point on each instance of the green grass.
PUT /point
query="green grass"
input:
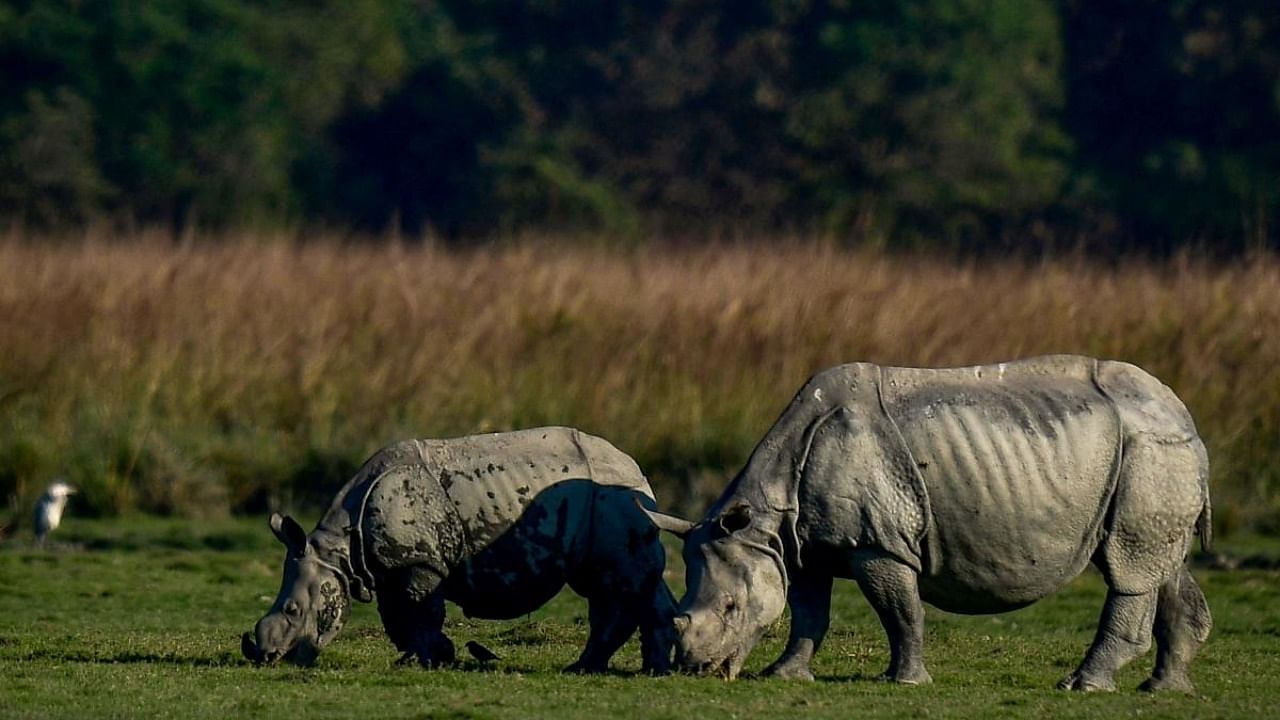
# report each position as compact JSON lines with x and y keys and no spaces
{"x":140,"y":617}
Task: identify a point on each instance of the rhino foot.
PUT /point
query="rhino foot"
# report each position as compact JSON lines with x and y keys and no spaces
{"x":789,"y":671}
{"x":1082,"y":683}
{"x":582,"y":668}
{"x":438,"y":652}
{"x":441,"y":653}
{"x":657,"y":668}
{"x":1175,"y":683}
{"x":917,"y":676}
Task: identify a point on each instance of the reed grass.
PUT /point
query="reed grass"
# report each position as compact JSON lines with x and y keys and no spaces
{"x":202,"y":378}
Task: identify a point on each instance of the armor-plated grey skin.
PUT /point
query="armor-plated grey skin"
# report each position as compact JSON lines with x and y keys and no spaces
{"x":977,"y":490}
{"x":496,"y":524}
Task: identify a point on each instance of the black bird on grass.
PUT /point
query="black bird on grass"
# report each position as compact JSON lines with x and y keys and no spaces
{"x":480,"y":652}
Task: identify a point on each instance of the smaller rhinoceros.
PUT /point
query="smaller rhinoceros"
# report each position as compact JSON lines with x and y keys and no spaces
{"x":496,"y":524}
{"x":977,"y":490}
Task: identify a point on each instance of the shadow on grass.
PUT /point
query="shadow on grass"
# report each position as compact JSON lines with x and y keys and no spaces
{"x":177,"y":540}
{"x":472,"y":666}
{"x":134,"y":657}
{"x":865,"y":678}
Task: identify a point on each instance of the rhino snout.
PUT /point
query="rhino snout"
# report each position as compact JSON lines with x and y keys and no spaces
{"x":253,"y":651}
{"x":274,"y":639}
{"x":706,"y":646}
{"x":723,"y":665}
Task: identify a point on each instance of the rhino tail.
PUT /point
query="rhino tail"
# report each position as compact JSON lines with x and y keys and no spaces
{"x":1204,"y":523}
{"x":1204,"y":526}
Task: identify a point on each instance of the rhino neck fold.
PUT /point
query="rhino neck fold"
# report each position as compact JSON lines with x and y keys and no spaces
{"x":770,"y":482}
{"x":337,"y":539}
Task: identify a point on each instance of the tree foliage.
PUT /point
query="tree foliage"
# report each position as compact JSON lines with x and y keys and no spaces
{"x":955,"y":122}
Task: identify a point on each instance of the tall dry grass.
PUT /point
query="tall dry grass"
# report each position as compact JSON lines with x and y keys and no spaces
{"x":216,"y":377}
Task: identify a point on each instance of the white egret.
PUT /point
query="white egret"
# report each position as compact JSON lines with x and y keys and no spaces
{"x":49,"y":509}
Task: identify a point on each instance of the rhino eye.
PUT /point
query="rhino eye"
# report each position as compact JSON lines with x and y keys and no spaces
{"x":291,"y":608}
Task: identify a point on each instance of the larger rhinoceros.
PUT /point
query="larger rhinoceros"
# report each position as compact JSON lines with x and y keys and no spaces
{"x":496,"y":524}
{"x":977,"y":490}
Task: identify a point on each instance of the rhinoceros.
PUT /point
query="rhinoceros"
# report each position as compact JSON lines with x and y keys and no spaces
{"x":977,"y":490}
{"x":496,"y":524}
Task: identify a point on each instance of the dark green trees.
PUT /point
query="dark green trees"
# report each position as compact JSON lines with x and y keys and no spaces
{"x":964,"y":123}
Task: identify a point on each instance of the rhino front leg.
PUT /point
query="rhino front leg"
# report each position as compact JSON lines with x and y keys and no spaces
{"x":657,"y":634}
{"x":1124,"y":633}
{"x":612,"y":622}
{"x":809,"y":598}
{"x":1182,"y":624}
{"x":893,"y":591}
{"x":431,"y":646}
{"x":412,"y":612}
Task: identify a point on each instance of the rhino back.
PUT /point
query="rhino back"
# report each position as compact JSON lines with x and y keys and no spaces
{"x":442,"y":502}
{"x":492,"y":479}
{"x":1019,"y":468}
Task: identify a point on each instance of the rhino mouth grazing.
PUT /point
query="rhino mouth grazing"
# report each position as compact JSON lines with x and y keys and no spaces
{"x":726,"y":669}
{"x":303,"y":654}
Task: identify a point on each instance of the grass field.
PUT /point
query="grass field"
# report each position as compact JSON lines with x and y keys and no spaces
{"x":240,"y":374}
{"x":140,"y":617}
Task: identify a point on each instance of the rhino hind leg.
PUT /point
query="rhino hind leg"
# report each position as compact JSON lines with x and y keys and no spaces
{"x":612,"y":622}
{"x":1124,"y":633}
{"x":412,"y":614}
{"x":1182,"y":624}
{"x":892,"y":589}
{"x":809,"y":598}
{"x":1159,"y":499}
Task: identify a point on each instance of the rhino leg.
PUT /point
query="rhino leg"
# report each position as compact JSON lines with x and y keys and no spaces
{"x":612,"y":622}
{"x":1124,"y":633}
{"x":412,"y":613}
{"x":1182,"y":624}
{"x":809,"y":598}
{"x":621,"y":577}
{"x":892,"y":589}
{"x":657,"y":634}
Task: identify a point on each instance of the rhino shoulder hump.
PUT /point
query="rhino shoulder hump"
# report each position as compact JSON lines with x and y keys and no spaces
{"x":608,"y":465}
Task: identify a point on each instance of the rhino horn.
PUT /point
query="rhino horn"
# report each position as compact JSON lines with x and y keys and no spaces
{"x":250,"y":649}
{"x":672,"y":524}
{"x":289,"y":532}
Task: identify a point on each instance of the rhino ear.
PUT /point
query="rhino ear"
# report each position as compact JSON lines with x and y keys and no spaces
{"x":289,"y":532}
{"x":735,"y":518}
{"x":672,"y":524}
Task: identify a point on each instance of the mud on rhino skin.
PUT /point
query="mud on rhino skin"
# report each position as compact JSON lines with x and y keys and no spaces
{"x":496,"y":524}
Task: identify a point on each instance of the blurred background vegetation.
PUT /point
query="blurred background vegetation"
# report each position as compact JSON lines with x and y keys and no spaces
{"x":252,"y":374}
{"x":967,"y":124}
